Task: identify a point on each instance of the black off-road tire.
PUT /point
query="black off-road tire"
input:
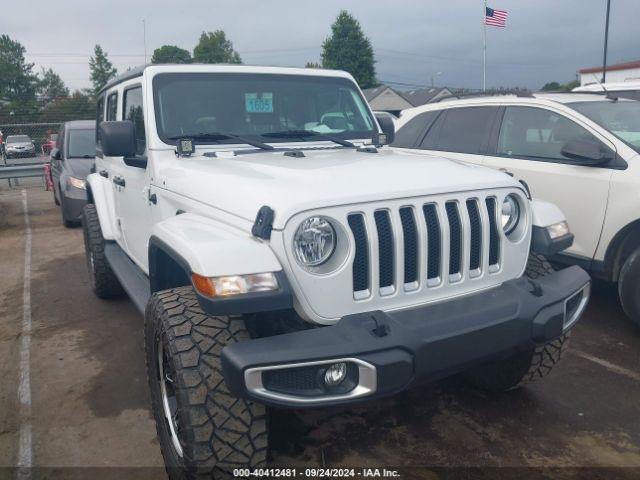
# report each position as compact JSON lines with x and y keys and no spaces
{"x":523,"y":367}
{"x":629,"y":286}
{"x":103,"y":281}
{"x":537,"y":266}
{"x":216,"y":431}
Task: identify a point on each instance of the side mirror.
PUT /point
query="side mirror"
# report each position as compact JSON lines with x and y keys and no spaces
{"x":388,"y":128}
{"x":587,"y":151}
{"x":118,"y":139}
{"x":56,"y":154}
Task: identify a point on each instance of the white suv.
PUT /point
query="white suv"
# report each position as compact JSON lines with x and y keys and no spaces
{"x":579,"y":151}
{"x":282,"y":255}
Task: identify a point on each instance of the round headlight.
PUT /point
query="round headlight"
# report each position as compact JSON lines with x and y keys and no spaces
{"x":314,"y":241}
{"x":510,"y":214}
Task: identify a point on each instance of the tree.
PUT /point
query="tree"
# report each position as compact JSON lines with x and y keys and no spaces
{"x":101,"y":68}
{"x":347,"y":48}
{"x":559,"y":87}
{"x":313,"y":65}
{"x":17,"y":82}
{"x":51,"y":86}
{"x":78,"y":106}
{"x":214,"y":47}
{"x":170,"y":54}
{"x":551,"y":87}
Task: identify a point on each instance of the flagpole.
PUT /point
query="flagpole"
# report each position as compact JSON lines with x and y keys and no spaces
{"x":484,"y":48}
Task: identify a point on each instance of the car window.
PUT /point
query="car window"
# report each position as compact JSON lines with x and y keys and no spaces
{"x":411,"y":133}
{"x":537,"y":133}
{"x":112,"y":106}
{"x":133,"y":111}
{"x":620,"y":117}
{"x":82,"y":144}
{"x":462,"y":130}
{"x":99,"y":117}
{"x":18,"y":139}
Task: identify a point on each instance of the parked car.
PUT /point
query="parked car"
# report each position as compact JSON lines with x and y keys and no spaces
{"x":579,"y":151}
{"x":71,"y":161}
{"x":629,"y":89}
{"x":281,"y":260}
{"x":17,"y":146}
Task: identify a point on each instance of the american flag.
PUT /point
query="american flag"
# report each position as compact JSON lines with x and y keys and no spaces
{"x":495,"y":18}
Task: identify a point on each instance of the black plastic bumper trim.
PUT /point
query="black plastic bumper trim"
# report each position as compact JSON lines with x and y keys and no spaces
{"x":420,"y":344}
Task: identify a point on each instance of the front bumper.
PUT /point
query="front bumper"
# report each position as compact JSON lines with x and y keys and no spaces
{"x":389,"y":351}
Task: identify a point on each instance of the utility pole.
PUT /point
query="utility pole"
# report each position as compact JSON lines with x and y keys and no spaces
{"x":144,"y":34}
{"x":606,"y":41}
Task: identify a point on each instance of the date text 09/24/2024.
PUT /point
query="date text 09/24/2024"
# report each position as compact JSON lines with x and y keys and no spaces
{"x":316,"y":472}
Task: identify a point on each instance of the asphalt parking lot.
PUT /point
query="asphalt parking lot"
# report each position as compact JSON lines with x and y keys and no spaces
{"x":89,"y":405}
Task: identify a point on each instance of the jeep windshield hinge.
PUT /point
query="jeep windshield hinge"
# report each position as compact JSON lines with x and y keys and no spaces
{"x":263,"y":223}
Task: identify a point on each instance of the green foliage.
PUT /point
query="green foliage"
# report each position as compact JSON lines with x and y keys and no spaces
{"x":551,"y":87}
{"x":559,"y":87}
{"x":170,"y":54}
{"x":78,"y":106}
{"x":18,"y":84}
{"x":51,"y":86}
{"x":214,"y":47}
{"x":313,"y":65}
{"x":101,"y":68}
{"x":347,"y":48}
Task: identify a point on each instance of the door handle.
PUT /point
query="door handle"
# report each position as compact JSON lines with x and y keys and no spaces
{"x":104,"y":173}
{"x":119,"y":181}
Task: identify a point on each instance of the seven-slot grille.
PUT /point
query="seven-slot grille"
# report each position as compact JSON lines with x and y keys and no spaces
{"x":451,"y":241}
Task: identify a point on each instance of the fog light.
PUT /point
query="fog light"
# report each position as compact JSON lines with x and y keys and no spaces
{"x":335,"y":374}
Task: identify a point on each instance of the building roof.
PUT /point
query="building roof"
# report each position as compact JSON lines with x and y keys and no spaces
{"x":423,"y":95}
{"x":415,"y":97}
{"x":617,"y":66}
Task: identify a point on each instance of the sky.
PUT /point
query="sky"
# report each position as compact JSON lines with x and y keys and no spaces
{"x":416,"y":42}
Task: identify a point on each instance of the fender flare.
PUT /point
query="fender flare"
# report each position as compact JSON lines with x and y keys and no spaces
{"x":210,"y":248}
{"x":213,"y":249}
{"x":100,"y":193}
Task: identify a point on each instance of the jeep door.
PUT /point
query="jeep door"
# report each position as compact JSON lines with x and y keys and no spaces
{"x":132,"y":198}
{"x":460,"y":133}
{"x":529,"y":144}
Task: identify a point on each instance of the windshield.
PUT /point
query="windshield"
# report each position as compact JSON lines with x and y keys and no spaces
{"x":622,"y":118}
{"x":255,"y":106}
{"x":18,"y":139}
{"x":82,"y":144}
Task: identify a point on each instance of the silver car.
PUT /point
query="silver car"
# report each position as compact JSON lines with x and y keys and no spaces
{"x":18,"y":146}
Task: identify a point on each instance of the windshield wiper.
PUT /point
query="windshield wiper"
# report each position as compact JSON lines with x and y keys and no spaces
{"x":217,"y":136}
{"x":309,"y":133}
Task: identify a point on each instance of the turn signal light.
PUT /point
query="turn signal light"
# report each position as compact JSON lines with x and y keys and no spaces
{"x":234,"y":284}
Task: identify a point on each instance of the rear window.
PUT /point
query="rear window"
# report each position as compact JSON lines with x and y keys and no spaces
{"x":18,"y":139}
{"x":465,"y":130}
{"x":622,"y":118}
{"x":82,"y":144}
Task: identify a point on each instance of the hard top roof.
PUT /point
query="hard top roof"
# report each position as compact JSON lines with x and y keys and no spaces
{"x":222,"y":68}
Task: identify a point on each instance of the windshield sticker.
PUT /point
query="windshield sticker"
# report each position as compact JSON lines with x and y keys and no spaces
{"x":258,"y":102}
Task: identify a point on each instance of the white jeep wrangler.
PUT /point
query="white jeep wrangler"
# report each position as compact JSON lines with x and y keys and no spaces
{"x":283,"y":256}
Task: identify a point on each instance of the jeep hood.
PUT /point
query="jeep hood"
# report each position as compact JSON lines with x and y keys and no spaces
{"x":243,"y":183}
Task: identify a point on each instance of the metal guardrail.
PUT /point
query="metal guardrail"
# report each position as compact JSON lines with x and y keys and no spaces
{"x":22,"y":171}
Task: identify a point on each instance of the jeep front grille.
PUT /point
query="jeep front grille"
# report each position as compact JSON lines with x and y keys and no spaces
{"x":442,"y":242}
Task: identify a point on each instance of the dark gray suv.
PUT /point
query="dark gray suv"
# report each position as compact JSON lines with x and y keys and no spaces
{"x":71,"y":162}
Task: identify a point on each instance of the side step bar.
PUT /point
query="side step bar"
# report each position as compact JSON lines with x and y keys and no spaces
{"x":133,"y":280}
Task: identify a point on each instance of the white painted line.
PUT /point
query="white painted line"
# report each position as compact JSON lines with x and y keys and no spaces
{"x":608,"y":365}
{"x":25,"y":455}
